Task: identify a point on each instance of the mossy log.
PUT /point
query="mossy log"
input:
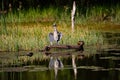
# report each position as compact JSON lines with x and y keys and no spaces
{"x":64,"y":54}
{"x":78,"y":47}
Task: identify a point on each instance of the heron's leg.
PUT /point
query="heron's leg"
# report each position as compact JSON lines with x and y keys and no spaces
{"x":57,"y":42}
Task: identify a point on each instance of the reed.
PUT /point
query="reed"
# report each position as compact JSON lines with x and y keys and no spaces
{"x":35,"y":36}
{"x":28,"y":30}
{"x":96,"y":13}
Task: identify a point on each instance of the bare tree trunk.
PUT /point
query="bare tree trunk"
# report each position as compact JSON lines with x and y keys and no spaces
{"x":73,"y":15}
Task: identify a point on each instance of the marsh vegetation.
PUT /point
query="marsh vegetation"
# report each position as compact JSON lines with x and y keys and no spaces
{"x":27,"y":28}
{"x":24,"y":29}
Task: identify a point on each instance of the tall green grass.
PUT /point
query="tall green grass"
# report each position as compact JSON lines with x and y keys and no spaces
{"x":28,"y":29}
{"x":35,"y":36}
{"x":32,"y":15}
{"x":92,"y":14}
{"x":95,"y":13}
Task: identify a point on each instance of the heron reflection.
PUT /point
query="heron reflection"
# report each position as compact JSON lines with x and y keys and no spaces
{"x":55,"y":63}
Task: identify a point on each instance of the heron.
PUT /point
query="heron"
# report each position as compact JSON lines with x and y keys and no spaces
{"x":55,"y":36}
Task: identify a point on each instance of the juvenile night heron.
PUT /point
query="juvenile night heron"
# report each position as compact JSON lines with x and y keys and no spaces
{"x":55,"y":36}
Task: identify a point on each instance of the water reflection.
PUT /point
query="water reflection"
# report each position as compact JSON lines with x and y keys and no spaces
{"x":74,"y":66}
{"x":55,"y":63}
{"x":111,"y":38}
{"x":103,"y":66}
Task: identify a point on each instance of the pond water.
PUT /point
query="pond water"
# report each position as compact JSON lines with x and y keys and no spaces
{"x":92,"y":64}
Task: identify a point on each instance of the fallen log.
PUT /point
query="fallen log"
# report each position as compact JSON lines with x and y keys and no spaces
{"x":30,"y":54}
{"x":78,"y":47}
{"x":64,"y":54}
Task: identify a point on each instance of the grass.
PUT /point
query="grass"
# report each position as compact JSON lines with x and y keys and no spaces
{"x":35,"y":36}
{"x":51,"y":14}
{"x":28,"y":30}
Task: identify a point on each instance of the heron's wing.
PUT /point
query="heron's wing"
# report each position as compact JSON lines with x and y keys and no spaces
{"x":60,"y":63}
{"x":59,"y":35}
{"x":51,"y":38}
{"x":51,"y":63}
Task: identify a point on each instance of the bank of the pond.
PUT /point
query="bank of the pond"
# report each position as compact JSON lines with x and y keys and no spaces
{"x":18,"y":37}
{"x":34,"y":36}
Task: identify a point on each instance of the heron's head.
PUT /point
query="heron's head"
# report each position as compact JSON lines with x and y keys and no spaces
{"x":54,"y":25}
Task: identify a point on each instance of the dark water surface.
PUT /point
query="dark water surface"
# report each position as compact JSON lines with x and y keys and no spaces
{"x":92,"y":64}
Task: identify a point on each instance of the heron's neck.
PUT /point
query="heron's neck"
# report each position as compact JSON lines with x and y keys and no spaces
{"x":55,"y":29}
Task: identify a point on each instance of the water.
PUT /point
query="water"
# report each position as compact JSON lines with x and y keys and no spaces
{"x":92,"y":64}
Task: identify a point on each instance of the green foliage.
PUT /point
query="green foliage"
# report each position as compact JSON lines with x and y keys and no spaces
{"x":35,"y":36}
{"x":28,"y":29}
{"x":52,"y":14}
